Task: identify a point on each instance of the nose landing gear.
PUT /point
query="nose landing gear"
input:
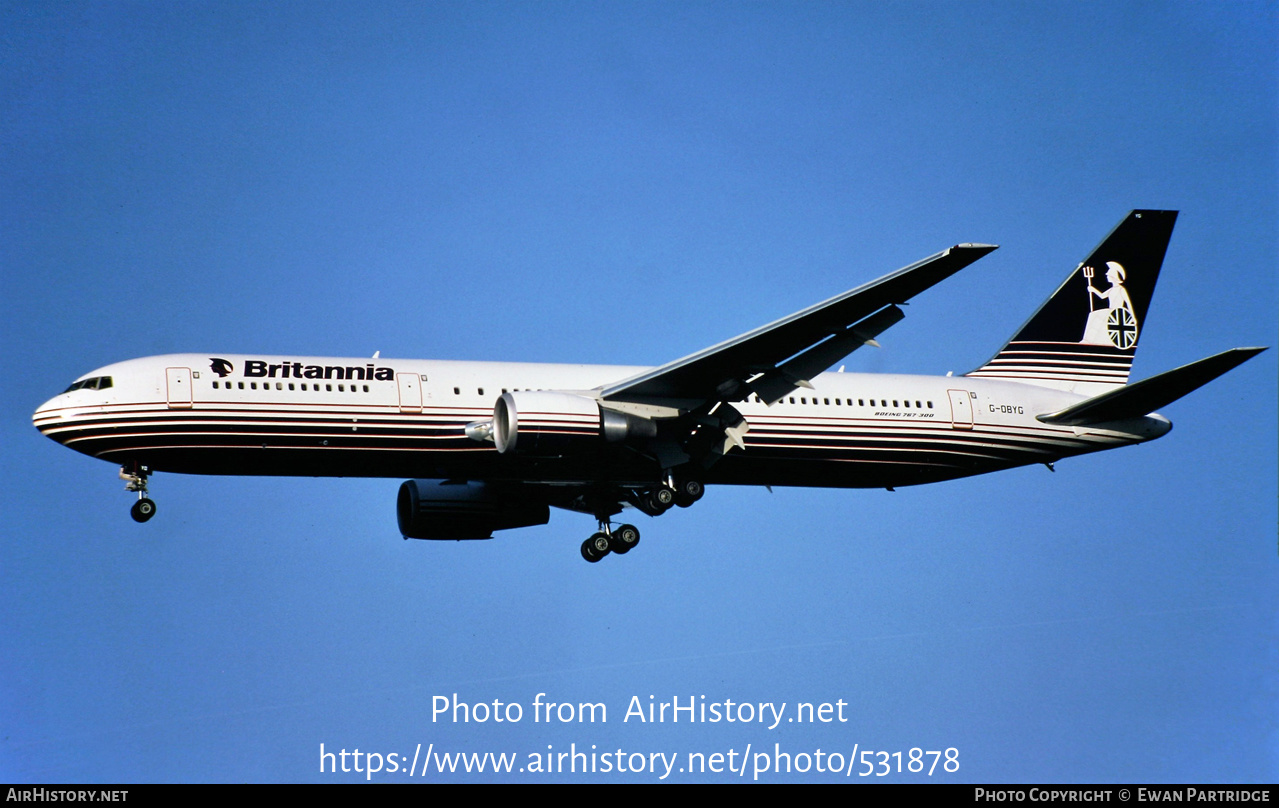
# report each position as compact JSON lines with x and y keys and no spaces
{"x":142,"y":510}
{"x":135,"y":479}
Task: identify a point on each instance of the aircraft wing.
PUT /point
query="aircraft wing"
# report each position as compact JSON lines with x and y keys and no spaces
{"x":774,"y":359}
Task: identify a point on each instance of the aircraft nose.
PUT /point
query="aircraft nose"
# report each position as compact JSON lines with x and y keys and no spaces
{"x":47,"y":415}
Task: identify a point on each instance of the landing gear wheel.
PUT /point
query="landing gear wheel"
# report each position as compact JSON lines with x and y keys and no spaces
{"x":658,"y":500}
{"x":595,"y":548}
{"x":135,"y":480}
{"x":142,"y":510}
{"x":688,"y":491}
{"x":624,"y":539}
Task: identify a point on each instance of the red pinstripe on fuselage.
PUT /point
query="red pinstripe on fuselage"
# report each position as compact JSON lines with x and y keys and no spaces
{"x":823,"y":438}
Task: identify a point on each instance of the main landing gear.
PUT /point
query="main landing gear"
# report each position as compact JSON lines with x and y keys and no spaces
{"x":607,"y":541}
{"x":135,"y":478}
{"x":658,"y":500}
{"x":653,"y":501}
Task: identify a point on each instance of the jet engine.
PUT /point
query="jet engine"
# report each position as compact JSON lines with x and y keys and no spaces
{"x":453,"y":511}
{"x":540,"y":423}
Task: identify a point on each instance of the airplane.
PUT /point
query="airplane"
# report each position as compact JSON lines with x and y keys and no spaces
{"x":491,"y":446}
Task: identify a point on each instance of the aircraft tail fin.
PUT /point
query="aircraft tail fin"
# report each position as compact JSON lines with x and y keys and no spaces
{"x":1148,"y":395}
{"x":1083,"y":338}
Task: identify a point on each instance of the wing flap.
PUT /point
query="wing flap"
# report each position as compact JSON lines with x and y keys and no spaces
{"x":797,"y":372}
{"x":812,"y":337}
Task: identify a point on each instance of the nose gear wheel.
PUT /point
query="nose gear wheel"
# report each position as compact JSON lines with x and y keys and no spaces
{"x":135,"y":479}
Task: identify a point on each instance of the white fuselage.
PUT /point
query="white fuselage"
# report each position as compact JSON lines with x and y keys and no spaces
{"x":307,"y":416}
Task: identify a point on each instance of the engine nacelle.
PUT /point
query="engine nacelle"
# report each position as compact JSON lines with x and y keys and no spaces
{"x":447,"y":511}
{"x":532,"y":422}
{"x":546,"y":424}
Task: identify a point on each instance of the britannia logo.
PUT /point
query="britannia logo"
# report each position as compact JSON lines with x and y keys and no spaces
{"x":221,"y":367}
{"x":1115,"y":324}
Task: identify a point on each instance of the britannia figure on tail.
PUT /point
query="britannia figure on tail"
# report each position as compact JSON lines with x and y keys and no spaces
{"x":1116,"y":324}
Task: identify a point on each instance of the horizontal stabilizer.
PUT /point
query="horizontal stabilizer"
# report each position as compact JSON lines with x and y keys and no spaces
{"x":1148,"y":395}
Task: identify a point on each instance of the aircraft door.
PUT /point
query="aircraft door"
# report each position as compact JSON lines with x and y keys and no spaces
{"x":961,"y":409}
{"x":178,"y":383}
{"x":410,"y":387}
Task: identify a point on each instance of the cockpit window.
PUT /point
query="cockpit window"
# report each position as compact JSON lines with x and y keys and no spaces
{"x":96,"y":383}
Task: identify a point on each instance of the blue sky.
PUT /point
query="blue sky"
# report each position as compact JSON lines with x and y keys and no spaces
{"x":627,"y":183}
